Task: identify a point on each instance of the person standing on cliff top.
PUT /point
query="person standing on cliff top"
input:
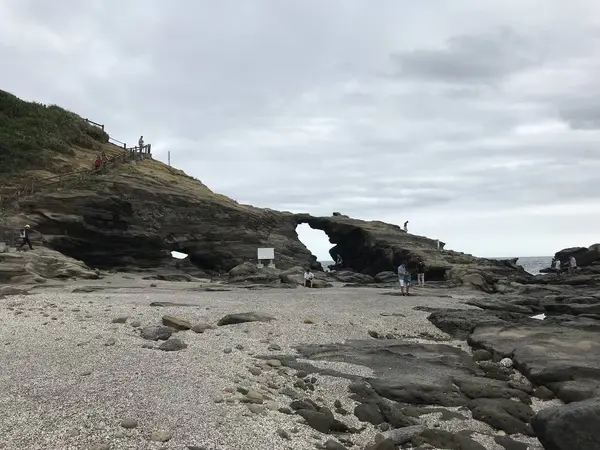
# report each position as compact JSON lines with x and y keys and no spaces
{"x":403,"y":279}
{"x":406,"y":226}
{"x":141,"y":143}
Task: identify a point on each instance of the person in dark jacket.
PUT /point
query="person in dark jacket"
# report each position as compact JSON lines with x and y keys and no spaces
{"x":420,"y":273}
{"x":25,"y":236}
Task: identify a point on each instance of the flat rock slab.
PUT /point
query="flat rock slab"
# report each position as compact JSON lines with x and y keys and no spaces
{"x":233,"y":319}
{"x":550,"y":355}
{"x":424,"y":374}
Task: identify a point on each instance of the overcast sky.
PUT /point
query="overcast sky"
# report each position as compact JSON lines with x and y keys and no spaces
{"x":476,"y":120}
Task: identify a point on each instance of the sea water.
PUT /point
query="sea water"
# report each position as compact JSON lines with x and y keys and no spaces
{"x":532,"y":264}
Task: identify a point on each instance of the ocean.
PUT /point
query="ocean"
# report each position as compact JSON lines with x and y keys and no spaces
{"x":532,"y":264}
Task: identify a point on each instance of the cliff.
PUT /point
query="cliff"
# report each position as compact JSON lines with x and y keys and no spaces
{"x":134,"y":215}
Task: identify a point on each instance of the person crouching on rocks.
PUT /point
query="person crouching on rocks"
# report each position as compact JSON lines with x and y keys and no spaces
{"x":308,"y":277}
{"x":403,"y":279}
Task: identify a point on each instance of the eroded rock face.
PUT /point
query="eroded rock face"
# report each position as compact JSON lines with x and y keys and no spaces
{"x":41,"y":264}
{"x":135,"y":217}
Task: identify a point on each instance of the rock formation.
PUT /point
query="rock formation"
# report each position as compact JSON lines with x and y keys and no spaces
{"x":134,"y":215}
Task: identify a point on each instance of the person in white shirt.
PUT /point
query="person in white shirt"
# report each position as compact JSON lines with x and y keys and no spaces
{"x":572,"y":264}
{"x":308,"y":277}
{"x":403,"y":279}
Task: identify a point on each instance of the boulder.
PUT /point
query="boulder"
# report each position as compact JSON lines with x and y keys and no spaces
{"x":243,"y":270}
{"x":573,"y":426}
{"x":156,"y":332}
{"x":584,"y":256}
{"x":349,"y":276}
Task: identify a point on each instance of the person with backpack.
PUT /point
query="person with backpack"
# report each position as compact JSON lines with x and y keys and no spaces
{"x":420,"y":273}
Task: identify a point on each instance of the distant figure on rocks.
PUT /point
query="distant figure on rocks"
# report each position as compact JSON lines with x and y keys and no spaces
{"x":308,"y":277}
{"x":572,"y":264}
{"x":25,"y":237}
{"x":406,"y":226}
{"x":98,"y":162}
{"x":339,"y":261}
{"x":403,"y":279}
{"x":556,"y":265}
{"x":420,"y":273}
{"x":141,"y":143}
{"x":437,"y":243}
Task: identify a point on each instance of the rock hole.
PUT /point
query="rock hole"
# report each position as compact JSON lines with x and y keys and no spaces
{"x":178,"y":255}
{"x":316,"y":241}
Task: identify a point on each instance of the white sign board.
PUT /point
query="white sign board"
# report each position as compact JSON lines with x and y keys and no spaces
{"x":266,"y":253}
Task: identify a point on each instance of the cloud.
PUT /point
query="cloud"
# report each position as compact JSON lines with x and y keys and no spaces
{"x":476,"y":121}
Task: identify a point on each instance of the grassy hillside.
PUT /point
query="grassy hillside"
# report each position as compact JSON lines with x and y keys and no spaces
{"x":39,"y":141}
{"x":36,"y":136}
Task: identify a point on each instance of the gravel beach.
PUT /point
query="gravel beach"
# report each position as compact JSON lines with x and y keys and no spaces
{"x":75,"y":377}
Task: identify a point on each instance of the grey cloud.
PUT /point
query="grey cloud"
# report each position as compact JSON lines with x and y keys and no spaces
{"x":485,"y":112}
{"x":471,"y":58}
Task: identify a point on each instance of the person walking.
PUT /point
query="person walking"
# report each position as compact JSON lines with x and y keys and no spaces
{"x":406,"y":226}
{"x":25,"y":237}
{"x":403,"y":279}
{"x":556,"y":266}
{"x":572,"y":264}
{"x":420,"y":273}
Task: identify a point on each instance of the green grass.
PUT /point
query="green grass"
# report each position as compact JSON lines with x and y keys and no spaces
{"x":32,"y":133}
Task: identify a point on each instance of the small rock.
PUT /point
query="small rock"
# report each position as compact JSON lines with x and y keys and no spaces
{"x":172,"y":345}
{"x":254,"y":397}
{"x":333,"y":445}
{"x":227,"y":351}
{"x":274,"y":363}
{"x":202,"y":327}
{"x":506,"y":362}
{"x":384,"y":426}
{"x":147,"y":345}
{"x":86,"y":373}
{"x":135,"y":323}
{"x":274,"y":347}
{"x":161,"y":436}
{"x":481,"y":355}
{"x":301,"y":374}
{"x":337,"y":404}
{"x":239,"y":347}
{"x":373,"y":334}
{"x":284,"y":434}
{"x":256,"y":409}
{"x":242,"y":390}
{"x":308,"y":321}
{"x":255,"y":371}
{"x":156,"y":332}
{"x":543,"y":393}
{"x":110,"y":342}
{"x":218,"y":399}
{"x":119,"y":320}
{"x":153,"y":285}
{"x":129,"y":423}
{"x":285,"y":410}
{"x":100,"y":447}
{"x":176,"y":322}
{"x":196,"y":447}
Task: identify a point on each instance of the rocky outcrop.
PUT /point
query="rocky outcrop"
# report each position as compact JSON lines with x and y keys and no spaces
{"x":134,"y":216}
{"x":40,"y":265}
{"x":375,"y":247}
{"x":574,"y":426}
